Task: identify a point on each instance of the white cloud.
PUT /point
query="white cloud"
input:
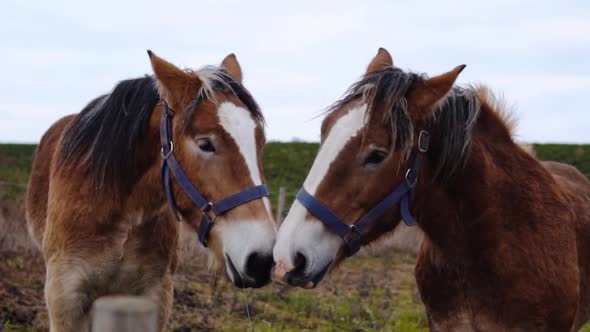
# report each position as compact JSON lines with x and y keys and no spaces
{"x":297,"y":57}
{"x":295,"y":123}
{"x":28,"y":122}
{"x":541,"y":86}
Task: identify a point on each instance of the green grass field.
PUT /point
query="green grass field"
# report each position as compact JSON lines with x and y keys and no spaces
{"x":286,"y":165}
{"x":573,"y":154}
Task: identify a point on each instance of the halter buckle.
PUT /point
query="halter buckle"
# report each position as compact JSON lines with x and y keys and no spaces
{"x":169,"y":153}
{"x":423,"y":141}
{"x":353,"y":240}
{"x":208,"y":212}
{"x":167,"y":110}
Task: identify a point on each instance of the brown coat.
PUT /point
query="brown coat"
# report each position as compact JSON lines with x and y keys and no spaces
{"x":506,"y":241}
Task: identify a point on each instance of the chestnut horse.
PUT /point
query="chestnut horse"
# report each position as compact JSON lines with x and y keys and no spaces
{"x":506,"y":237}
{"x":96,"y":206}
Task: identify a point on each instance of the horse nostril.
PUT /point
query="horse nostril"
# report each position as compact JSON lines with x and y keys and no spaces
{"x":298,"y":276}
{"x":258,"y":267}
{"x":300,"y":264}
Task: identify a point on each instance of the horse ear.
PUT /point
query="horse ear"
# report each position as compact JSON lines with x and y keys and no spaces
{"x":231,"y":64}
{"x":425,"y":97}
{"x":174,"y":85}
{"x":382,"y":59}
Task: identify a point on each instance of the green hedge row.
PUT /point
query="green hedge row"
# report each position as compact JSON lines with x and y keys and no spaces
{"x":15,"y":168}
{"x":577,"y":155}
{"x":285,"y":164}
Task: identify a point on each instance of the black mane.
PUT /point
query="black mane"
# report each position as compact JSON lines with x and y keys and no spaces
{"x":104,"y":140}
{"x":451,"y":124}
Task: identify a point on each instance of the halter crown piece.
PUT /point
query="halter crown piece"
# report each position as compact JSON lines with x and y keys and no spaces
{"x":209,"y":210}
{"x":351,"y":234}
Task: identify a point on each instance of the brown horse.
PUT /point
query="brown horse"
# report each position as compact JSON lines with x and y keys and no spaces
{"x":506,"y":237}
{"x":96,"y":207}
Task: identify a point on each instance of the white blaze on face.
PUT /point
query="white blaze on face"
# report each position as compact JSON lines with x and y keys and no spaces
{"x":311,"y":238}
{"x":240,"y":238}
{"x":239,"y":124}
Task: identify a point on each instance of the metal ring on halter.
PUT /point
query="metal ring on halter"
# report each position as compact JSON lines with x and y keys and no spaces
{"x":423,"y":141}
{"x":353,"y":240}
{"x":411,"y":181}
{"x":355,"y":229}
{"x":165,"y":156}
{"x":207,"y":210}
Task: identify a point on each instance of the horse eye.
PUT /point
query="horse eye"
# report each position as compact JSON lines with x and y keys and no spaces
{"x":205,"y":145}
{"x":375,"y":157}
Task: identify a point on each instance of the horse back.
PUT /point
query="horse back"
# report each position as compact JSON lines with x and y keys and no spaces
{"x":576,"y":187}
{"x":38,"y":188}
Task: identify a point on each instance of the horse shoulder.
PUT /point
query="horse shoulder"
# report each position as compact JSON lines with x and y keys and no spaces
{"x":577,"y":190}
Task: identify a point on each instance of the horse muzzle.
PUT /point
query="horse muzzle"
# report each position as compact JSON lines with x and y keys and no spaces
{"x":256,"y":274}
{"x":297,"y":275}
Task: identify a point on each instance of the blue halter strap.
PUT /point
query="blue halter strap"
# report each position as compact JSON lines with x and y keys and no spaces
{"x":209,"y":210}
{"x":351,"y":234}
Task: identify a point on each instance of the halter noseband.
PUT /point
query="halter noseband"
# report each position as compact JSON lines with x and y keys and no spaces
{"x":209,"y":210}
{"x":351,"y":234}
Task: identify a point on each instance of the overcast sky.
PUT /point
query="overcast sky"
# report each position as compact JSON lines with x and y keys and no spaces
{"x":55,"y":56}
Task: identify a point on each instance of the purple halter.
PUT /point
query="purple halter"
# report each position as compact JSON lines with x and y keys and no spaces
{"x":210,"y":210}
{"x":351,"y":234}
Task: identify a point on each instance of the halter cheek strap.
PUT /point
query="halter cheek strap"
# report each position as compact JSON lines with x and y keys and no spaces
{"x":351,"y":234}
{"x":209,"y":210}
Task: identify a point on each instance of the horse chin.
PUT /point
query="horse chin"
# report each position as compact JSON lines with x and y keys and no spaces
{"x":221,"y":264}
{"x":315,"y":280}
{"x":233,"y":273}
{"x":307,"y":280}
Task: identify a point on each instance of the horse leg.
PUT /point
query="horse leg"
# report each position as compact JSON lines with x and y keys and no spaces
{"x":162,"y":295}
{"x":67,"y":304}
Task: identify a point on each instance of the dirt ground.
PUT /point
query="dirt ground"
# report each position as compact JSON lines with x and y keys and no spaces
{"x":372,"y":291}
{"x":366,"y":293}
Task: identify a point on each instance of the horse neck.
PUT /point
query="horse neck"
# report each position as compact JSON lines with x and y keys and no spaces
{"x":143,"y":192}
{"x":500,"y":187}
{"x":147,"y":193}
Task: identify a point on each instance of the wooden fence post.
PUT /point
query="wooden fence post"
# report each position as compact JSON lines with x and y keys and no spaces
{"x":124,"y":314}
{"x":280,"y":206}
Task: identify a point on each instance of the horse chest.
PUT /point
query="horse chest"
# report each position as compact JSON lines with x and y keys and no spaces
{"x":461,"y":297}
{"x":130,"y":268}
{"x":451,"y":306}
{"x":466,"y":322}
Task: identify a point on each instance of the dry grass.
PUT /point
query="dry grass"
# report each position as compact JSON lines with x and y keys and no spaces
{"x":14,"y":236}
{"x":404,"y":239}
{"x":366,"y":293}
